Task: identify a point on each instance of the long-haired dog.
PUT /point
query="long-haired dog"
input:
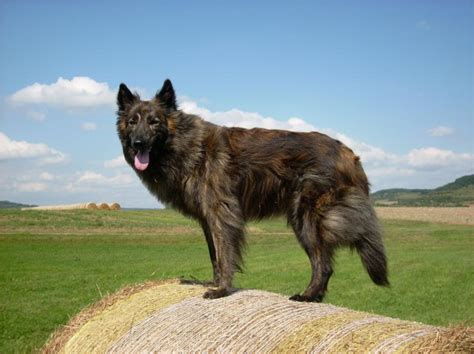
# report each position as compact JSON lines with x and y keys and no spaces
{"x":223,"y":177}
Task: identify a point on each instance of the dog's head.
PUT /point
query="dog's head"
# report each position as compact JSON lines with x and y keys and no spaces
{"x":143,"y":126}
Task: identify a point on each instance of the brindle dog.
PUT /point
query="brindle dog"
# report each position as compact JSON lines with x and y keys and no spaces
{"x":223,"y":177}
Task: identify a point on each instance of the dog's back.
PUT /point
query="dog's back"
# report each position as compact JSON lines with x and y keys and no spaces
{"x":271,"y":167}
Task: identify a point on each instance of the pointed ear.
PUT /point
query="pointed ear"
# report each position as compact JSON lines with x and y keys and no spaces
{"x":125,"y":98}
{"x":166,"y":96}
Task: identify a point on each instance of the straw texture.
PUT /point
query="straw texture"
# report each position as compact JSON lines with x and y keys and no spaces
{"x":107,"y":326}
{"x":172,"y":317}
{"x":248,"y":320}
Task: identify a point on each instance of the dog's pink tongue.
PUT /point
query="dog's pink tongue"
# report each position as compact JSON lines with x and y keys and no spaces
{"x":142,"y":159}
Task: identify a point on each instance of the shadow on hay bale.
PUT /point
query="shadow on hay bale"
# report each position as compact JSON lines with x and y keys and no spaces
{"x":169,"y":316}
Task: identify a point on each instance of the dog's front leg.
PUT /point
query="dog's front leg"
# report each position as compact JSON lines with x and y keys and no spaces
{"x":226,"y":226}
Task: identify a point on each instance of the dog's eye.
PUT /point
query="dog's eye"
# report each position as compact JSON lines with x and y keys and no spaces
{"x":133,"y":120}
{"x":154,"y":121}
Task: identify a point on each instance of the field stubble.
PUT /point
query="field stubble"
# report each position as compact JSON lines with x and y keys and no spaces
{"x":455,"y":215}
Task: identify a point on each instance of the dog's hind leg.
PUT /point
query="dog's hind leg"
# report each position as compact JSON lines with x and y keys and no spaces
{"x":306,"y":225}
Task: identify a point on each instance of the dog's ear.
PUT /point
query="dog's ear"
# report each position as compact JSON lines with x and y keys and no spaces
{"x":166,"y":96}
{"x":125,"y":98}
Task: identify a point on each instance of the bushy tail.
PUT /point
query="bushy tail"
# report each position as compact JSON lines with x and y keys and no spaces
{"x":374,"y":260}
{"x":352,"y":221}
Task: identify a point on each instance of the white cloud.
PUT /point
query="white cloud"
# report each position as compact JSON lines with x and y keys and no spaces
{"x":441,"y":131}
{"x":88,"y":126}
{"x":91,"y":177}
{"x":94,"y":178}
{"x":82,"y":185}
{"x":31,"y":187}
{"x":119,"y":161}
{"x":78,"y":93}
{"x":390,"y":171}
{"x":238,"y":118}
{"x":93,"y":185}
{"x":433,"y":157}
{"x":12,"y":149}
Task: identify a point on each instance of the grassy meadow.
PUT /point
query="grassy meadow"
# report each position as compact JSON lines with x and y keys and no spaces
{"x":54,"y":263}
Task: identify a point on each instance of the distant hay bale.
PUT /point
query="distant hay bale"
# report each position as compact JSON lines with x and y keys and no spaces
{"x":114,"y":206}
{"x":172,"y":317}
{"x":64,"y":207}
{"x":103,"y":206}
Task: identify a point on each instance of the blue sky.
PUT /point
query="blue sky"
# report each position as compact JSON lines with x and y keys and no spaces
{"x":393,"y":80}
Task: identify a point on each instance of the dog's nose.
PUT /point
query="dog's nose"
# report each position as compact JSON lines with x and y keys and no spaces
{"x":138,"y":144}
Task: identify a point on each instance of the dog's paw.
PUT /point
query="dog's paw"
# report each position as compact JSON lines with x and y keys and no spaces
{"x":305,"y":298}
{"x":216,"y":293}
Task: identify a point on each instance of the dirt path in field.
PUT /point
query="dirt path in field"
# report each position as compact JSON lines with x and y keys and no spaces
{"x":458,"y":216}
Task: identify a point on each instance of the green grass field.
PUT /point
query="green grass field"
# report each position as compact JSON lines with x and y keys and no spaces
{"x":53,"y":264}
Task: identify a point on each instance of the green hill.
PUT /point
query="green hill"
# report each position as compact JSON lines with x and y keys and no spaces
{"x":4,"y":204}
{"x":457,"y":193}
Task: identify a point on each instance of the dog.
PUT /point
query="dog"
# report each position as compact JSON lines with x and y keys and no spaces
{"x":225,"y":176}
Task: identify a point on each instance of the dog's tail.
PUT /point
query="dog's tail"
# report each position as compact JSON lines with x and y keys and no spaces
{"x":352,"y":221}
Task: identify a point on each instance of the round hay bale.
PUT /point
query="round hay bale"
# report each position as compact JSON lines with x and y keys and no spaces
{"x":114,"y":206}
{"x":173,"y":317}
{"x":104,"y":206}
{"x":91,"y":206}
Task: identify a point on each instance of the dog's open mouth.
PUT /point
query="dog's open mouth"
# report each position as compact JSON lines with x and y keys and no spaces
{"x":142,"y":160}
